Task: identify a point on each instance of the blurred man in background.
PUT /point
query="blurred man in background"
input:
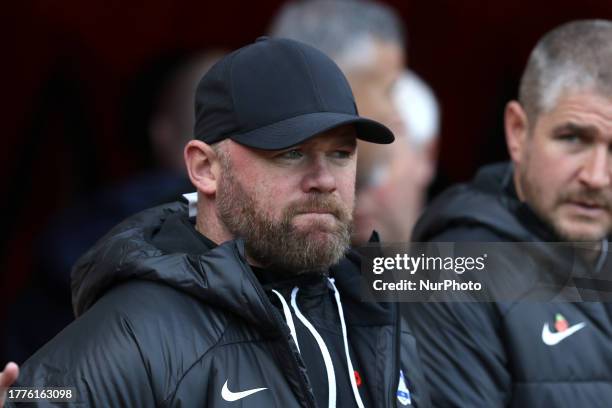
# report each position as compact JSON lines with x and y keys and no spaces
{"x":367,"y":40}
{"x":557,"y":188}
{"x":392,"y":185}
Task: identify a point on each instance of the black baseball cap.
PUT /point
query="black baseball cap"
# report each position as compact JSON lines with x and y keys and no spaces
{"x":276,"y":93}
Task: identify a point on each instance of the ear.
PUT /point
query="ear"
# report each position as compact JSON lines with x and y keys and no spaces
{"x":202,"y":166}
{"x":517,"y":130}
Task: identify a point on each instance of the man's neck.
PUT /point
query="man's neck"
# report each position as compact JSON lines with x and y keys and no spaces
{"x":208,"y":224}
{"x":590,"y":251}
{"x":517,"y":186}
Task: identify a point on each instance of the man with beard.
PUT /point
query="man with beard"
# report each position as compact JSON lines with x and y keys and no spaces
{"x":367,"y":40}
{"x":249,"y":295}
{"x":558,"y":188}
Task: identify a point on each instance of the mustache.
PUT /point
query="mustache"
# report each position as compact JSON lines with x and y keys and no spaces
{"x":321,"y":203}
{"x":594,"y":197}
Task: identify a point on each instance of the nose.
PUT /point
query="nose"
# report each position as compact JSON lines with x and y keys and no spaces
{"x":319,"y":178}
{"x":596,"y":171}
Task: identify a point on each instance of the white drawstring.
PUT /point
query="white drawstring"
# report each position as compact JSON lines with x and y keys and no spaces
{"x":329,"y":367}
{"x":346,"y":346}
{"x":602,"y":255}
{"x":288,"y":318}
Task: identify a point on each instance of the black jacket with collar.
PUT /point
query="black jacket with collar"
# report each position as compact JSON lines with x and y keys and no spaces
{"x":166,"y":328}
{"x":494,"y":354}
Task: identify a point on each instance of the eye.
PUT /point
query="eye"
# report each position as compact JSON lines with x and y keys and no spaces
{"x":569,"y":138}
{"x":342,"y":154}
{"x":574,"y":139}
{"x":291,"y":155}
{"x":379,"y":175}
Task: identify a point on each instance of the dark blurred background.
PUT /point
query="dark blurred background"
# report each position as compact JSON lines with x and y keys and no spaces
{"x":81,"y":78}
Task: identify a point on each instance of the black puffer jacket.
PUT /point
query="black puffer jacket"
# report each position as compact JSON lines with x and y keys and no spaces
{"x":170,"y":329}
{"x":514,"y":353}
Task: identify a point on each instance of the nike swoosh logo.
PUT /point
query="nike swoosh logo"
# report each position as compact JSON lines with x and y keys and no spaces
{"x":227,"y":395}
{"x":550,"y":339}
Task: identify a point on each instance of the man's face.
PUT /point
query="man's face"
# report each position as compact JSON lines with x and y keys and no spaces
{"x":565,"y":169}
{"x":293,"y":207}
{"x":372,"y":84}
{"x":386,"y":203}
{"x":391,"y":191}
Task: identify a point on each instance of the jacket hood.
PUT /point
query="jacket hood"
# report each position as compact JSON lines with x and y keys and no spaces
{"x":219,"y":277}
{"x":489,"y":201}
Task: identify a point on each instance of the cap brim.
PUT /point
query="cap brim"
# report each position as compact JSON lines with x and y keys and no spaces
{"x":293,"y":131}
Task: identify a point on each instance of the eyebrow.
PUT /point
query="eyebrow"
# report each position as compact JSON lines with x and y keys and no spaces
{"x":350,"y":140}
{"x":347,"y":134}
{"x":588,"y":130}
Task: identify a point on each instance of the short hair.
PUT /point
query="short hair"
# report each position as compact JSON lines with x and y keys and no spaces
{"x":574,"y":56}
{"x":342,"y":29}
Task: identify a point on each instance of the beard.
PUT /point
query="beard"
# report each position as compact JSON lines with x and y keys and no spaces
{"x":278,"y":244}
{"x":578,"y":194}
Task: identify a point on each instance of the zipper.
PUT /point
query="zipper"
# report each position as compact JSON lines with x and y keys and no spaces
{"x":275,"y":317}
{"x":395,"y":352}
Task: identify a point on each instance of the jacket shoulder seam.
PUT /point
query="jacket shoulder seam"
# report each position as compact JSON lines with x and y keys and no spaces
{"x":196,"y":361}
{"x":127,"y":321}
